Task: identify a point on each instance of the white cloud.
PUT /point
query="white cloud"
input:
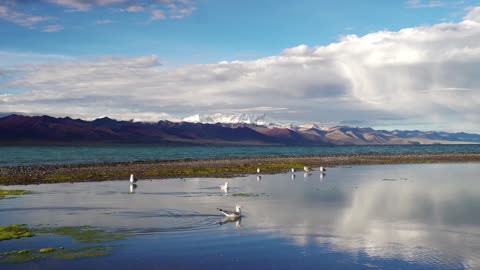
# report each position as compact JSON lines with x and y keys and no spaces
{"x":9,"y":13}
{"x":52,"y":28}
{"x":135,"y":8}
{"x":84,"y":5}
{"x":424,"y":4}
{"x":158,"y":15}
{"x":473,"y":14}
{"x":427,"y":74}
{"x":159,"y":9}
{"x":104,"y":21}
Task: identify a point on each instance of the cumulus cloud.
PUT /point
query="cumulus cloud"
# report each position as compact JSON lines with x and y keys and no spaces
{"x":427,"y":74}
{"x":474,"y":14}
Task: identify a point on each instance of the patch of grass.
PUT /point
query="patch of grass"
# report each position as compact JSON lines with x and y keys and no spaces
{"x":14,"y":231}
{"x":86,"y":234}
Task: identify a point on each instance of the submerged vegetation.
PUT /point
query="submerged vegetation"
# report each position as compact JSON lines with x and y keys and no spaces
{"x":14,"y":231}
{"x":85,"y":234}
{"x":26,"y":255}
{"x":247,"y":194}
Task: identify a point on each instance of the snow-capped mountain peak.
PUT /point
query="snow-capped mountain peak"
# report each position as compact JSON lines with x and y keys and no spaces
{"x":238,"y":118}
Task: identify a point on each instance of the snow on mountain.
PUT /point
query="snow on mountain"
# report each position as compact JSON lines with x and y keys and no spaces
{"x":249,"y":118}
{"x":238,"y":118}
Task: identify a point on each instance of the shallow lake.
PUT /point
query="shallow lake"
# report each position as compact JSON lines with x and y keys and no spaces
{"x":361,"y":217}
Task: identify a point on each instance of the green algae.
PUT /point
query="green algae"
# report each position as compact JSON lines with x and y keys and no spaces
{"x":19,"y":256}
{"x":222,"y":171}
{"x":47,"y":250}
{"x":14,"y":231}
{"x":21,"y":251}
{"x":82,"y":252}
{"x":85,"y":234}
{"x":8,"y":193}
{"x":246,"y":194}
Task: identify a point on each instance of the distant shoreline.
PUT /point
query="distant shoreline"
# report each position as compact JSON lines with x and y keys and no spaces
{"x":216,"y":167}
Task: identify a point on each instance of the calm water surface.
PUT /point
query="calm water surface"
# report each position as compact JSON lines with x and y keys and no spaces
{"x":29,"y":155}
{"x":361,"y":217}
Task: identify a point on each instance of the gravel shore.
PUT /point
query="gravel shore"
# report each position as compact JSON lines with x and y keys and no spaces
{"x":228,"y":167}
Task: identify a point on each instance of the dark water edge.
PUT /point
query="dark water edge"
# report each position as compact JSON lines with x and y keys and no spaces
{"x":31,"y":155}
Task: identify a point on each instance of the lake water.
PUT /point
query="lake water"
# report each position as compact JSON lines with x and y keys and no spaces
{"x":361,"y":217}
{"x":28,"y":155}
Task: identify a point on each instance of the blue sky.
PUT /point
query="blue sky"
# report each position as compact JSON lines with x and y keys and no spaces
{"x":215,"y":30}
{"x":390,"y":64}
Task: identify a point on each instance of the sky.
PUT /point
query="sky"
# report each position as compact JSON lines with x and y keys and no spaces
{"x":400,"y":64}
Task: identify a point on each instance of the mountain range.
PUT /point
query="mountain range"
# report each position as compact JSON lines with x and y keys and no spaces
{"x":46,"y":130}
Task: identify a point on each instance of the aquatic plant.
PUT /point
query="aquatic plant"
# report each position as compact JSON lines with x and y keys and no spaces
{"x":18,"y":256}
{"x":7,"y":193}
{"x":47,"y":250}
{"x":85,"y":251}
{"x":246,"y":194}
{"x":227,"y":171}
{"x":14,"y":231}
{"x":86,"y":234}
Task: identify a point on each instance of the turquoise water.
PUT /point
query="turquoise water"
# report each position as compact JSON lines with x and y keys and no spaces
{"x":28,"y":155}
{"x":411,"y":216}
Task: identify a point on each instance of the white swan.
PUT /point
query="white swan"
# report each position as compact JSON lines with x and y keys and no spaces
{"x":323,"y":169}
